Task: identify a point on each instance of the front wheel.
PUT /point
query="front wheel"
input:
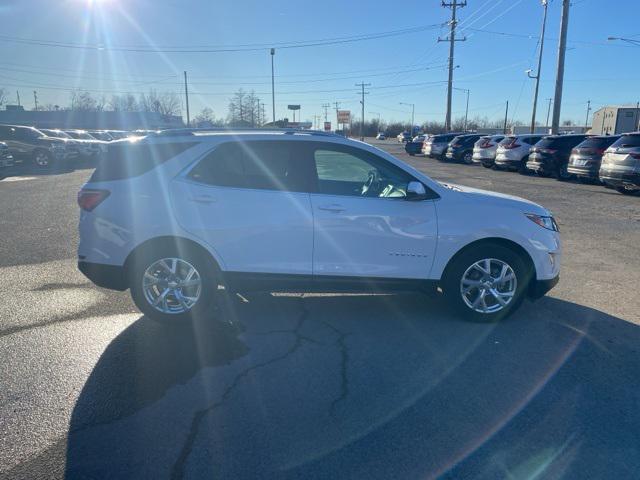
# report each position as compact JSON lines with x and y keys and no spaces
{"x":626,"y":191}
{"x":486,"y":284}
{"x":172,"y":286}
{"x":42,"y":159}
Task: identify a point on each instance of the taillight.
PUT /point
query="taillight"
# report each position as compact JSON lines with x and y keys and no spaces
{"x":90,"y":199}
{"x":600,"y":151}
{"x":635,"y":155}
{"x":485,"y":144}
{"x":512,"y":145}
{"x":550,"y":151}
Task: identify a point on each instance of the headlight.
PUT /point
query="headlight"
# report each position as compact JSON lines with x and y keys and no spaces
{"x":545,"y":222}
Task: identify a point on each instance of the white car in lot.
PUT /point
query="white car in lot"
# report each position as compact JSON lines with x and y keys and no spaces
{"x":381,"y":136}
{"x":174,"y":215}
{"x":513,"y":151}
{"x":484,"y":150}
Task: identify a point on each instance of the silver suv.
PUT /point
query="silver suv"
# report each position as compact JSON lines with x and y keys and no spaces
{"x":513,"y":151}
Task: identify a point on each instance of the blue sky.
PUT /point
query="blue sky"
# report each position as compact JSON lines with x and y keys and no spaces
{"x":404,"y":68}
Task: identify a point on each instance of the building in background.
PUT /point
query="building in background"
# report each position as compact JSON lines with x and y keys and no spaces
{"x":612,"y":120}
{"x":93,"y":120}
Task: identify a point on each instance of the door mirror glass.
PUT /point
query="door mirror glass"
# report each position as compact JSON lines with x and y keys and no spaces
{"x":416,"y":191}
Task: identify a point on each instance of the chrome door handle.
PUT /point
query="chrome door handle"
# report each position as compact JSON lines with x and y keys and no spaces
{"x":332,"y":208}
{"x":203,"y":199}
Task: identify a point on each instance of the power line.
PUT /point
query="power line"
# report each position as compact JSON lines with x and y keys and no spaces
{"x":217,"y":48}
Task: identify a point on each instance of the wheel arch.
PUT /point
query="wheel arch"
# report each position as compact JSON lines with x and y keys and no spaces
{"x":170,"y":242}
{"x":503,"y":242}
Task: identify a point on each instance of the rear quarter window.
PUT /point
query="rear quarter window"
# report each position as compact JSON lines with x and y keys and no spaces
{"x":627,"y":141}
{"x":127,"y":160}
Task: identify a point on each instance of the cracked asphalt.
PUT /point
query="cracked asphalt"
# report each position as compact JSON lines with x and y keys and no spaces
{"x":320,"y":386}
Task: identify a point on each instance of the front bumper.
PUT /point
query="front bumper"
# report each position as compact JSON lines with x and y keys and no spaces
{"x":106,"y":276}
{"x":538,"y":288}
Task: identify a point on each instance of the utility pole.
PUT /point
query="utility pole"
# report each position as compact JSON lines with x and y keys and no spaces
{"x":264,"y":117}
{"x":337,"y":104}
{"x":562,"y":49}
{"x":537,"y":75}
{"x":362,"y":84}
{"x":506,"y":115}
{"x":637,"y":126}
{"x":273,"y":89}
{"x":586,"y":122}
{"x":253,"y":120}
{"x":451,"y":39}
{"x":548,"y":112}
{"x":35,"y":98}
{"x":186,"y":97}
{"x":18,"y":96}
{"x":326,"y":107}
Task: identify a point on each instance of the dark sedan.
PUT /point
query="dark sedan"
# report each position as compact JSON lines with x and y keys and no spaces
{"x":586,"y":157}
{"x":461,"y":148}
{"x":550,"y":156}
{"x":414,"y":147}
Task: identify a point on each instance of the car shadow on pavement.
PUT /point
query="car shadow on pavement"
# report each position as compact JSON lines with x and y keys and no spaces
{"x":363,"y":386}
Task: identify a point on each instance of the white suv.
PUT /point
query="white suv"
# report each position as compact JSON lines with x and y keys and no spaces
{"x":513,"y":151}
{"x":174,"y":215}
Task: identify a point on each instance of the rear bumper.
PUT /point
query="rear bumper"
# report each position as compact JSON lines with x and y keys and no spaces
{"x":106,"y":276}
{"x":540,"y":165}
{"x":539,"y":288}
{"x":620,"y":179}
{"x":584,"y":171}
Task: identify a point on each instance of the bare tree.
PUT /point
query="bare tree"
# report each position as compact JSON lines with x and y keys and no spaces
{"x":244,"y":109}
{"x":166,"y":104}
{"x":83,"y":101}
{"x":205,"y":116}
{"x":3,"y":96}
{"x":123,"y":103}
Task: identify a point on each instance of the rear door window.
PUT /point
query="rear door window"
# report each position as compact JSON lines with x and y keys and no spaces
{"x":261,"y":165}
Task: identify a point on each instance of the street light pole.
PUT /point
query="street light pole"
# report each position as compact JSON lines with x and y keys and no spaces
{"x":548,"y":112}
{"x":466,"y":112}
{"x":586,"y":122}
{"x":537,"y":75}
{"x":412,"y":105}
{"x":273,"y":89}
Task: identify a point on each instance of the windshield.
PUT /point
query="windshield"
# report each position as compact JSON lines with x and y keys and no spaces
{"x":80,"y":135}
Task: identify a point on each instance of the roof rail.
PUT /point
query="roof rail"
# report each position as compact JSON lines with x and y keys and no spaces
{"x":191,"y":131}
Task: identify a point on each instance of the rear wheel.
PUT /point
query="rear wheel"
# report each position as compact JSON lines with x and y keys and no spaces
{"x":487,"y":165}
{"x":468,"y":158}
{"x":522,"y":166}
{"x":562,"y":174}
{"x":172,"y":285}
{"x":486,"y":284}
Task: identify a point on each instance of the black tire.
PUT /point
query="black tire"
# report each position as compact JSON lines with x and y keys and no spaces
{"x":626,"y":191}
{"x":205,"y":268}
{"x":522,"y":166}
{"x":412,"y":154}
{"x":454,"y":272}
{"x":562,"y":175}
{"x":487,"y":165}
{"x":467,"y":158}
{"x":42,"y":159}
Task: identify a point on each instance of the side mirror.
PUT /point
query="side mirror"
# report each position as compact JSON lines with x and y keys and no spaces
{"x":416,"y":191}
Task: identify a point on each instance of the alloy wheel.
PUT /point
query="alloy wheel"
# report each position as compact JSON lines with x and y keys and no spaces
{"x":172,"y":285}
{"x":488,"y":286}
{"x":41,"y":159}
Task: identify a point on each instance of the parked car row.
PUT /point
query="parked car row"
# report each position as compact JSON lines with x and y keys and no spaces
{"x":43,"y":147}
{"x":611,"y":160}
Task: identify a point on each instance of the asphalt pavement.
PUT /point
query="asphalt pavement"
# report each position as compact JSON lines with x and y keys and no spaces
{"x":320,"y":386}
